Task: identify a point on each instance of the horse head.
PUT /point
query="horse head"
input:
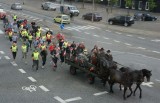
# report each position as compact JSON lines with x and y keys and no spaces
{"x":147,"y":74}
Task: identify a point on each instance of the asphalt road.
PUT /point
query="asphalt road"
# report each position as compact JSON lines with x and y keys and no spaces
{"x":60,"y":87}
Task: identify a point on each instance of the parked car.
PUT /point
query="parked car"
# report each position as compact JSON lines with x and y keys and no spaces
{"x":144,"y":17}
{"x":16,"y":6}
{"x":2,"y":12}
{"x":49,"y":6}
{"x":62,"y":19}
{"x":88,"y":16}
{"x":122,"y":20}
{"x":68,"y":9}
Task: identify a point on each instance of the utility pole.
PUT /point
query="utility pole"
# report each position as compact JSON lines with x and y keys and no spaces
{"x":107,"y":10}
{"x":92,"y":10}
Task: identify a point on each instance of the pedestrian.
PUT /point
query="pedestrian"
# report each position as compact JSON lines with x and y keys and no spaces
{"x":61,"y":41}
{"x":72,"y":16}
{"x":48,"y":37}
{"x":24,"y":52}
{"x":43,"y":46}
{"x":15,"y":17}
{"x":27,"y":44}
{"x":30,"y":39}
{"x":14,"y":50}
{"x":54,"y":59}
{"x":43,"y":54}
{"x":35,"y":58}
{"x":52,"y":48}
{"x":14,"y":38}
{"x":10,"y":34}
{"x":62,"y":55}
{"x":35,"y":43}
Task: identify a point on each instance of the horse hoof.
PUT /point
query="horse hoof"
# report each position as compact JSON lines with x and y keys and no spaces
{"x":128,"y":96}
{"x":140,"y":97}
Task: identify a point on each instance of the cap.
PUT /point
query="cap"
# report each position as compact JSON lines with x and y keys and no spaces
{"x":108,"y":51}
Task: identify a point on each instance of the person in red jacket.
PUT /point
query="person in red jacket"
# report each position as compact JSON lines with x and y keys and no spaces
{"x":51,"y":48}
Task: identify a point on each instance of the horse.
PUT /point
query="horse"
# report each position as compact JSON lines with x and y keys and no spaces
{"x":126,"y":79}
{"x":146,"y":74}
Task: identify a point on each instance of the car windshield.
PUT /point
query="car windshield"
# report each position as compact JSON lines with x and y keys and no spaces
{"x":65,"y":17}
{"x":73,"y":8}
{"x":129,"y":18}
{"x":97,"y":14}
{"x":18,"y":4}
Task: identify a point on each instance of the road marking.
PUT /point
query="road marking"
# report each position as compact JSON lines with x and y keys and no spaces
{"x":108,"y":30}
{"x":105,"y":38}
{"x":78,"y":37}
{"x":116,"y":41}
{"x":141,"y":48}
{"x":44,"y":88}
{"x":31,"y":88}
{"x":2,"y":52}
{"x":21,"y":70}
{"x":32,"y":79}
{"x":1,"y":32}
{"x":14,"y":64}
{"x":130,"y":35}
{"x":86,"y":33}
{"x":156,"y":40}
{"x":141,"y":38}
{"x":156,"y":52}
{"x":149,"y":84}
{"x":104,"y":42}
{"x":100,"y":93}
{"x":96,"y":35}
{"x":59,"y":99}
{"x":127,"y":44}
{"x":118,"y":33}
{"x":7,"y":57}
{"x":157,"y":80}
{"x":73,"y":99}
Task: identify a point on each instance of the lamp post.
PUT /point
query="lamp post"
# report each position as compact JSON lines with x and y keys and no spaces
{"x":92,"y":10}
{"x":107,"y":10}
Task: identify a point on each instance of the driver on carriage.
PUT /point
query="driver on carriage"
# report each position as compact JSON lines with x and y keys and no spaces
{"x":80,"y":47}
{"x":109,"y":56}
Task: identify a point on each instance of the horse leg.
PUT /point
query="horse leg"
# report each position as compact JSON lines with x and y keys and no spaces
{"x":140,"y":96}
{"x":120,"y":87}
{"x":135,"y":90}
{"x":124,"y":94}
{"x":130,"y":88}
{"x":111,"y":86}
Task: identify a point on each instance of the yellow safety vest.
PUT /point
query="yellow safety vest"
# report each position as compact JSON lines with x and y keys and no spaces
{"x":14,"y":48}
{"x":36,"y":55}
{"x":30,"y":37}
{"x":43,"y":46}
{"x":25,"y":33}
{"x":24,"y":48}
{"x":10,"y":34}
{"x":44,"y":37}
{"x":38,"y":34}
{"x":48,"y":36}
{"x":15,"y":17}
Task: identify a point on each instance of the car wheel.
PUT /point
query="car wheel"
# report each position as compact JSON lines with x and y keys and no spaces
{"x":125,"y":24}
{"x":110,"y":22}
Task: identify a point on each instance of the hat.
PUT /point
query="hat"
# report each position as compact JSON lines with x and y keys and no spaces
{"x":108,"y":51}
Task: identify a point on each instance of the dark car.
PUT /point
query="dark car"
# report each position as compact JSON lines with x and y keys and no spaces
{"x":16,"y":6}
{"x":88,"y":16}
{"x":144,"y":17}
{"x":122,"y":20}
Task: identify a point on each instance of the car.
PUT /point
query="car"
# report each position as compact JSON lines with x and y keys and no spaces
{"x":16,"y":6}
{"x":144,"y":17}
{"x":122,"y":20}
{"x":88,"y":16}
{"x":49,"y":6}
{"x":62,"y":19}
{"x":69,"y":9}
{"x":2,"y":12}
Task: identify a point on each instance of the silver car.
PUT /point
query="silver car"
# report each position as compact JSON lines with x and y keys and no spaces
{"x":16,"y":6}
{"x":48,"y":6}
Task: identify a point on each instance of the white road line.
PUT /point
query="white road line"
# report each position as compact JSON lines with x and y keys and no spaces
{"x":141,"y":48}
{"x":116,"y":41}
{"x":127,"y":44}
{"x":44,"y":88}
{"x":156,"y":40}
{"x":2,"y":52}
{"x":94,"y":27}
{"x":108,"y":30}
{"x":60,"y":99}
{"x":73,"y":99}
{"x":39,"y":20}
{"x":118,"y":33}
{"x":14,"y":64}
{"x":96,"y":35}
{"x":21,"y":70}
{"x":130,"y":35}
{"x":104,"y":42}
{"x":32,"y":79}
{"x":157,"y":80}
{"x":156,"y":52}
{"x":86,"y":33}
{"x":149,"y":84}
{"x":7,"y":57}
{"x":78,"y":37}
{"x":141,"y":38}
{"x":1,"y":32}
{"x":100,"y":93}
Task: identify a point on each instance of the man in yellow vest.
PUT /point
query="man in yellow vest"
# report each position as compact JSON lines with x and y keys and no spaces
{"x":14,"y":50}
{"x":35,"y":58}
{"x":10,"y":33}
{"x":38,"y":34}
{"x":43,"y":46}
{"x":30,"y":39}
{"x":24,"y":51}
{"x":49,"y":37}
{"x":15,"y":17}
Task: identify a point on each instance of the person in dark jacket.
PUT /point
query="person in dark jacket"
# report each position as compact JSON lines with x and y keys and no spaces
{"x":43,"y":54}
{"x":54,"y":59}
{"x":62,"y":55}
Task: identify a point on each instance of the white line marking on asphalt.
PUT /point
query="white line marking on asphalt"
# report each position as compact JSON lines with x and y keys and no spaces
{"x":157,"y":80}
{"x":104,"y":42}
{"x":141,"y":48}
{"x":39,"y":20}
{"x":86,"y":33}
{"x":2,"y":52}
{"x":21,"y":70}
{"x":59,"y":99}
{"x":118,"y":33}
{"x":141,"y":38}
{"x":116,"y":41}
{"x":44,"y":88}
{"x":156,"y":40}
{"x":1,"y":32}
{"x":96,"y":35}
{"x":32,"y":79}
{"x":108,"y":30}
{"x":156,"y":52}
{"x":127,"y":44}
{"x":130,"y":35}
{"x":100,"y":93}
{"x":73,"y":99}
{"x":105,"y":38}
{"x":14,"y":64}
{"x":149,"y":84}
{"x":78,"y":37}
{"x":7,"y":57}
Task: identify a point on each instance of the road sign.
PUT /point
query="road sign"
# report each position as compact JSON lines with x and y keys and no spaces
{"x":61,"y":26}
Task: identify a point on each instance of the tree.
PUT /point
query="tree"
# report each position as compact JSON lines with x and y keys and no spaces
{"x":112,"y":3}
{"x":152,"y":4}
{"x":128,"y":4}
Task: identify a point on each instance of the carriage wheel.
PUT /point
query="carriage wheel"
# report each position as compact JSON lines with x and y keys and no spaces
{"x":73,"y":70}
{"x":91,"y":79}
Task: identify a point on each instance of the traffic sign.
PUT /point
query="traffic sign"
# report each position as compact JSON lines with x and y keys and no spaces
{"x":62,"y":26}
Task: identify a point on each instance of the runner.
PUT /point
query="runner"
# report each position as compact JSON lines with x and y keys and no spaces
{"x":35,"y":58}
{"x":24,"y":52}
{"x":14,"y":50}
{"x":44,"y":56}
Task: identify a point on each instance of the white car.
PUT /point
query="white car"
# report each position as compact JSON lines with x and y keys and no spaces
{"x":48,"y":6}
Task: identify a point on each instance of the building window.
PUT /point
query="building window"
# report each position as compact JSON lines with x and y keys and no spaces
{"x":140,"y":5}
{"x":147,"y":6}
{"x":133,"y":4}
